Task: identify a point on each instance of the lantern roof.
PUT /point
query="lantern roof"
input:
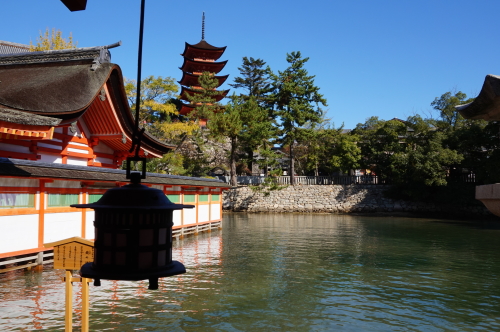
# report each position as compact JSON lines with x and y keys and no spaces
{"x":487,"y":104}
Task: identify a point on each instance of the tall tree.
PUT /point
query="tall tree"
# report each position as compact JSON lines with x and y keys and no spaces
{"x":52,"y":40}
{"x":158,"y":112}
{"x":256,"y":82}
{"x":296,"y":101}
{"x":254,"y":79}
{"x":240,"y":121}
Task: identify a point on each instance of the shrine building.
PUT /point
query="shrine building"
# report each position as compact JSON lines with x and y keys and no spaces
{"x":65,"y":129}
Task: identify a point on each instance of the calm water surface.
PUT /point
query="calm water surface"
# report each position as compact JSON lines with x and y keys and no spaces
{"x":293,"y":272}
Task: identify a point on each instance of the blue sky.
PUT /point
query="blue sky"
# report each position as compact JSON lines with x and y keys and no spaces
{"x":387,"y":58}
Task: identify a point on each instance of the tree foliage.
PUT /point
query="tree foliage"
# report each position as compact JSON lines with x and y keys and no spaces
{"x":52,"y":40}
{"x":158,"y":112}
{"x":205,"y":100}
{"x":254,"y":79}
{"x":449,"y":118}
{"x":296,"y":102}
{"x":244,"y":123}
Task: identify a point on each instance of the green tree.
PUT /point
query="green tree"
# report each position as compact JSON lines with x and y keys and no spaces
{"x":52,"y":40}
{"x":169,"y":163}
{"x":240,"y":121}
{"x":254,"y":79}
{"x":424,"y":160}
{"x":379,"y":141}
{"x":296,"y":101}
{"x":343,"y":153}
{"x":158,"y":112}
{"x":449,"y":117}
{"x":205,"y":99}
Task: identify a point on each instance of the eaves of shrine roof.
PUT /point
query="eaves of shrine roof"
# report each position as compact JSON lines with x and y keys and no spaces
{"x":23,"y":118}
{"x":36,"y":169}
{"x":487,"y":104}
{"x":63,"y":84}
{"x":54,"y":82}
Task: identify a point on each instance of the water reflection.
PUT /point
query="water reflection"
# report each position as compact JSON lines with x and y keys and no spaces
{"x":293,"y":272}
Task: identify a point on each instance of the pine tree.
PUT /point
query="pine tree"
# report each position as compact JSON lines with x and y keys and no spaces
{"x":296,"y":101}
{"x":240,"y":121}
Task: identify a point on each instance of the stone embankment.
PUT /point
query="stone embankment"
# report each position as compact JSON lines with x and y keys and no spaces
{"x":335,"y":199}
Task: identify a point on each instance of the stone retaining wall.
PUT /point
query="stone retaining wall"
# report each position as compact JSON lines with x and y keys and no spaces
{"x":334,"y":199}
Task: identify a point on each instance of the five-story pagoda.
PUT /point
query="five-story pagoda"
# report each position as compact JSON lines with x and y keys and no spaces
{"x":199,"y":58}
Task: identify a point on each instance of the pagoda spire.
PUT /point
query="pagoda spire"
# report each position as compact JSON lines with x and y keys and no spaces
{"x":203,"y":26}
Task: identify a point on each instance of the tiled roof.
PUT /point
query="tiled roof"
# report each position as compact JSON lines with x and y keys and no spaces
{"x":27,"y":168}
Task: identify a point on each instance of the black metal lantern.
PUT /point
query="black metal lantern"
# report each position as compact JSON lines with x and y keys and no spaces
{"x":133,"y":235}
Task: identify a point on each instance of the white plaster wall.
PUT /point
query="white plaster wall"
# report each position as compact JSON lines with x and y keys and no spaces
{"x":176,"y":217}
{"x":60,"y":226}
{"x":58,"y":130}
{"x":14,"y":148}
{"x":189,"y":216}
{"x":50,"y":158}
{"x":215,"y":211}
{"x":76,"y":161}
{"x":11,"y":182}
{"x":18,"y":232}
{"x":76,"y":144}
{"x":89,"y":225}
{"x":78,"y":150}
{"x":103,"y":160}
{"x":84,"y":127}
{"x":203,"y":213}
{"x":103,"y":148}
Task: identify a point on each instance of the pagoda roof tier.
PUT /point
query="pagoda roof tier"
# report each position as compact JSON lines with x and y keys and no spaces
{"x":58,"y":88}
{"x":187,"y":91}
{"x":186,"y":109}
{"x":203,"y":50}
{"x":192,"y":79}
{"x":195,"y":66}
{"x":487,"y":104}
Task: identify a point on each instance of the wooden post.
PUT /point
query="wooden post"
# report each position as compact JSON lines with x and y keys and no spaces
{"x":85,"y":304}
{"x":68,"y":318}
{"x":70,"y":254}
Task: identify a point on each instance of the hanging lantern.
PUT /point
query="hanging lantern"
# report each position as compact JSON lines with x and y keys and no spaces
{"x":133,"y":235}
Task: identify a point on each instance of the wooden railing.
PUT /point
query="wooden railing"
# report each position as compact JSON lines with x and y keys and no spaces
{"x":26,"y":262}
{"x":329,"y":180}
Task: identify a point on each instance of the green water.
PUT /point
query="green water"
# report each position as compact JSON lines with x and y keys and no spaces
{"x":293,"y":272}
